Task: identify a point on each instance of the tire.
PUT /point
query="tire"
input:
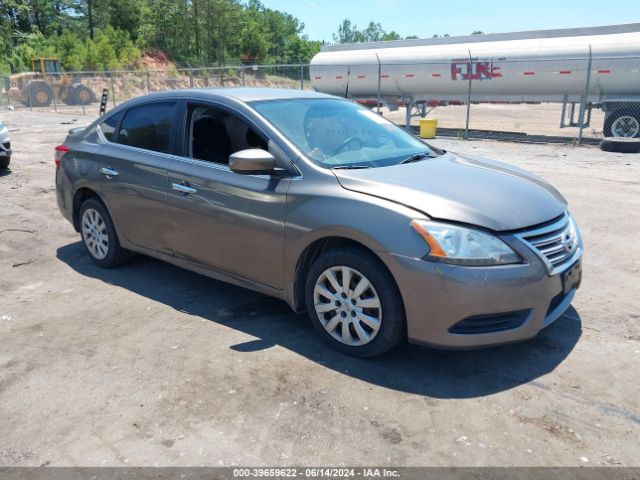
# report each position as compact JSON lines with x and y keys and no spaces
{"x":39,"y":94}
{"x":4,"y":162}
{"x":620,"y":145}
{"x":624,"y":120}
{"x":107,"y":252}
{"x":330,"y":320}
{"x":83,"y":96}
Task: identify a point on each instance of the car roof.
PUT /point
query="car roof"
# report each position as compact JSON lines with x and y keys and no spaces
{"x":243,"y":94}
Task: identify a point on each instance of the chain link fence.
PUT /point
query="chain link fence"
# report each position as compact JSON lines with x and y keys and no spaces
{"x":572,"y":100}
{"x":61,"y":93}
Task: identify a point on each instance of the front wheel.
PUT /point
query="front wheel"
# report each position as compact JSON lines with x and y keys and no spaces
{"x":98,"y":235}
{"x":4,"y":162}
{"x":354,"y":303}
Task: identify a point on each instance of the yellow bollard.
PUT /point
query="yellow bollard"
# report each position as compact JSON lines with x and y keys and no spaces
{"x":428,"y":127}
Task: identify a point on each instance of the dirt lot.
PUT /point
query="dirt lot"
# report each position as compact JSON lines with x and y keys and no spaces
{"x":149,"y":364}
{"x":532,"y":119}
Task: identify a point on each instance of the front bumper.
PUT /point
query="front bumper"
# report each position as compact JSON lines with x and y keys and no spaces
{"x":494,"y":305}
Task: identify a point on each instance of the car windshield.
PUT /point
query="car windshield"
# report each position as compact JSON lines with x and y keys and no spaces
{"x":339,"y":133}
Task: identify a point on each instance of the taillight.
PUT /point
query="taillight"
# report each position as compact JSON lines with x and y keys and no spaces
{"x":60,"y":151}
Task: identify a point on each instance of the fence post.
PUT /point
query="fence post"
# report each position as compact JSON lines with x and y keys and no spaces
{"x":301,"y":76}
{"x":191,"y":78}
{"x":148,"y":82}
{"x":7,"y":86}
{"x":113,"y":90}
{"x":470,"y":73}
{"x":379,"y":82}
{"x":583,"y":103}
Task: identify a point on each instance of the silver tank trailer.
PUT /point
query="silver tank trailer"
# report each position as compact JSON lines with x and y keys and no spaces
{"x":539,"y":66}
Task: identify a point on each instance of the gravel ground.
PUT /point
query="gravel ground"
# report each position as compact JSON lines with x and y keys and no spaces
{"x":149,"y":364}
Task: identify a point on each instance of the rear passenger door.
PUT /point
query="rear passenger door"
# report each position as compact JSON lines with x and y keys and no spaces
{"x":133,"y":175}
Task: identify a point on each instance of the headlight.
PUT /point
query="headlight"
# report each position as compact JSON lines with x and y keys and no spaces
{"x":463,"y":246}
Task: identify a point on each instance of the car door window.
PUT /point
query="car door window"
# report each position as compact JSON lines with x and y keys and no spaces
{"x":213,"y":134}
{"x":148,"y":126}
{"x":108,"y":126}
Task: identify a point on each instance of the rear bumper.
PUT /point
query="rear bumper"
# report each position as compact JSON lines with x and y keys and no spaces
{"x":466,"y":307}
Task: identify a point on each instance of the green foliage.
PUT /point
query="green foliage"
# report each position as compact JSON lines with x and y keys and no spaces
{"x":349,"y":33}
{"x":110,"y":34}
{"x":252,"y":42}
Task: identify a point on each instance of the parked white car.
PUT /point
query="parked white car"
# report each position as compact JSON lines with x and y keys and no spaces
{"x":5,"y":146}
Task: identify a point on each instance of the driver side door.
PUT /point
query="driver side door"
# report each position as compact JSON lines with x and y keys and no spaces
{"x":220,"y":219}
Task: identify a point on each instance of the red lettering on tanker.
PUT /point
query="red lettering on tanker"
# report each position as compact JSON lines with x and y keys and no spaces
{"x":474,"y":71}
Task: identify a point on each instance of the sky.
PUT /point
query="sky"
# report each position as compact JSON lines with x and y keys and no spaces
{"x":460,"y":17}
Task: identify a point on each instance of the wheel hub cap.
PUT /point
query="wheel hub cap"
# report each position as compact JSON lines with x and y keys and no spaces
{"x":347,"y":306}
{"x":95,"y":234}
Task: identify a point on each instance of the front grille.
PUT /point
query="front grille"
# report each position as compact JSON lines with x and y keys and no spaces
{"x":490,"y":323}
{"x":556,"y":243}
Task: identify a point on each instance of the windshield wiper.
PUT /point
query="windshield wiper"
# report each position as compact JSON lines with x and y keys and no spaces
{"x":416,"y":157}
{"x":350,"y":167}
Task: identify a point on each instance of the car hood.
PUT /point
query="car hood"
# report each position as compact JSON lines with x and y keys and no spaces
{"x":459,"y":188}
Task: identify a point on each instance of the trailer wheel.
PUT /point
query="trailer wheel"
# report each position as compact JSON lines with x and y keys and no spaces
{"x":623,"y":123}
{"x":83,"y":96}
{"x":39,"y":94}
{"x":620,"y":145}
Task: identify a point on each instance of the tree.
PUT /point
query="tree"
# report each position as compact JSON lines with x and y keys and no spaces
{"x":349,"y":33}
{"x":252,"y":43}
{"x":125,"y":15}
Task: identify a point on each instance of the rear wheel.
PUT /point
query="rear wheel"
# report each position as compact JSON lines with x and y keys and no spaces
{"x":623,"y":123}
{"x":83,"y":96}
{"x":98,"y":235}
{"x":354,"y":304}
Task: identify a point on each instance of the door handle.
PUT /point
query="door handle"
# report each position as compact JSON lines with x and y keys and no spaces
{"x":182,"y":188}
{"x":109,"y":172}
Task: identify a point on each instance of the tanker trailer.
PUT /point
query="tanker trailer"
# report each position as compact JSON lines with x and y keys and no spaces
{"x":593,"y":67}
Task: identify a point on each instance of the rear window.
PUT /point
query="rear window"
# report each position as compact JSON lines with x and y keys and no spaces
{"x":109,"y":126}
{"x":148,"y":127}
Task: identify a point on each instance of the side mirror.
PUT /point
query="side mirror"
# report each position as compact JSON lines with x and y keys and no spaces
{"x":252,"y":161}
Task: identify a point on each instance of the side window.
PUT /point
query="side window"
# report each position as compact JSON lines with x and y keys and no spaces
{"x":148,"y":127}
{"x":213,"y":134}
{"x":108,"y":127}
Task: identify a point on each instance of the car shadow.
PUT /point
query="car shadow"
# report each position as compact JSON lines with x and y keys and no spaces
{"x":408,"y":368}
{"x":5,"y":171}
